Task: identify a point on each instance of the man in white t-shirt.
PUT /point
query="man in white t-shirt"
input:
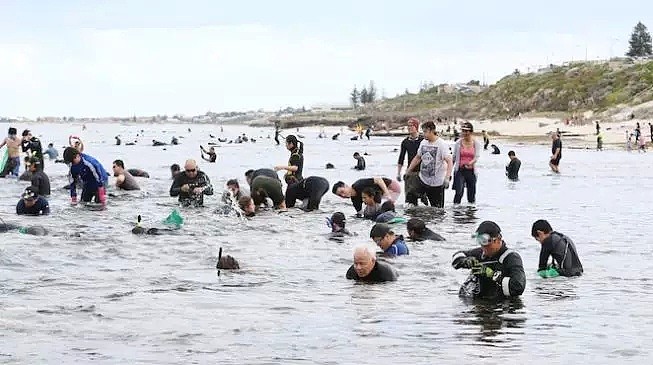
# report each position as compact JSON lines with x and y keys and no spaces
{"x":436,"y":165}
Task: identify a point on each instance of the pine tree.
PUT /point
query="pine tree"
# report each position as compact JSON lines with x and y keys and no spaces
{"x":354,"y":97}
{"x":640,"y":42}
{"x":371,"y":93}
{"x":365,"y":97}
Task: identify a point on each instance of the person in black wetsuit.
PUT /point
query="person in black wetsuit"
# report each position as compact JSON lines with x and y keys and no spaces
{"x":295,"y":162}
{"x":337,"y":223}
{"x":496,"y":271}
{"x":140,"y":173}
{"x":32,"y":146}
{"x":409,"y":147}
{"x":250,"y":175}
{"x":212,"y":156}
{"x":360,"y":162}
{"x":158,"y":143}
{"x":191,"y":185}
{"x":389,"y":188}
{"x":174,"y":170}
{"x":512,"y":170}
{"x":417,"y":231}
{"x":32,"y":230}
{"x":311,"y":190}
{"x":560,"y":247}
{"x":556,"y":153}
{"x":495,"y":150}
{"x":266,"y":187}
{"x":367,"y":269}
{"x":40,"y":181}
{"x":32,"y":204}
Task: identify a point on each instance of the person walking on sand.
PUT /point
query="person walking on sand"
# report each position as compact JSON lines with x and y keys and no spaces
{"x":556,"y":153}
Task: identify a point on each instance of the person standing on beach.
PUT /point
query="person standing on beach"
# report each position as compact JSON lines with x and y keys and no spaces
{"x":465,"y":155}
{"x":409,"y":147}
{"x":436,"y":165}
{"x":556,"y":153}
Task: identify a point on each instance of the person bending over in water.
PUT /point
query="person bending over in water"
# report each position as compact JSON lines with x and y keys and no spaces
{"x":390,"y":189}
{"x":372,"y":203}
{"x":191,"y":185}
{"x":32,"y":204}
{"x":124,"y":180}
{"x":560,"y":247}
{"x":211,"y":155}
{"x":87,"y":169}
{"x":246,"y":204}
{"x":310,"y":190}
{"x":417,"y":231}
{"x":360,"y":162}
{"x":367,"y":269}
{"x":227,"y":262}
{"x":252,"y":174}
{"x":266,"y":187}
{"x":385,"y":238}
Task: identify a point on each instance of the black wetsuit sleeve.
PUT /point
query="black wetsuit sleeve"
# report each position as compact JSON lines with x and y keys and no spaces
{"x":402,"y":153}
{"x":545,"y":252}
{"x":514,"y":278}
{"x":175,"y":188}
{"x":208,"y":188}
{"x":475,"y":252}
{"x":357,"y":201}
{"x":351,"y":273}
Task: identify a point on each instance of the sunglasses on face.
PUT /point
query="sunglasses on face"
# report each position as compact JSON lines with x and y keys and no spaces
{"x":191,"y":170}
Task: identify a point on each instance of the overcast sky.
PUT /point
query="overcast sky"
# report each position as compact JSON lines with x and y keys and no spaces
{"x":103,"y":58}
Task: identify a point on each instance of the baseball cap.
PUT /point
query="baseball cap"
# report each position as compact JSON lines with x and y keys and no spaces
{"x":380,"y":230}
{"x":29,"y":193}
{"x":488,"y":227}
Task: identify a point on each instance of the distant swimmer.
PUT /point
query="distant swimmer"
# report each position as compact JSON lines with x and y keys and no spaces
{"x":174,"y":141}
{"x":32,"y":204}
{"x":139,"y":173}
{"x":266,"y":187}
{"x":512,"y":170}
{"x":118,"y":141}
{"x":310,"y":190}
{"x":389,"y":188}
{"x":252,"y":174}
{"x":40,"y":181}
{"x":556,"y":153}
{"x":329,"y":165}
{"x":495,"y":149}
{"x":31,"y":230}
{"x":366,"y":268}
{"x":417,"y":231}
{"x":211,"y":156}
{"x":124,"y":179}
{"x":388,"y":241}
{"x":174,"y":170}
{"x":497,"y":272}
{"x":51,"y":152}
{"x":335,"y":136}
{"x":191,"y":185}
{"x":90,"y":172}
{"x":371,"y":202}
{"x":560,"y":248}
{"x":158,"y":143}
{"x":227,"y":262}
{"x":360,"y":162}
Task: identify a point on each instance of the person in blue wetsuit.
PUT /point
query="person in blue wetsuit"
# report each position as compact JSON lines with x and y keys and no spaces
{"x":32,"y":204}
{"x":385,"y":238}
{"x":93,"y":176}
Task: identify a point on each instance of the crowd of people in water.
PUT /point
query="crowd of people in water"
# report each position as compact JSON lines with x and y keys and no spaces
{"x":431,"y":167}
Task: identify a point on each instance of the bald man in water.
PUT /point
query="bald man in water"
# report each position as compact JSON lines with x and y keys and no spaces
{"x":191,"y":185}
{"x":367,"y":269}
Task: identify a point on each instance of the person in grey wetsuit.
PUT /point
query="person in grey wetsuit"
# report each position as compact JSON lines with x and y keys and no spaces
{"x":124,"y":180}
{"x":558,"y":246}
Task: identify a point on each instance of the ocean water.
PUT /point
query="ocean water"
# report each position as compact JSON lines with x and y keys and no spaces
{"x":91,"y":291}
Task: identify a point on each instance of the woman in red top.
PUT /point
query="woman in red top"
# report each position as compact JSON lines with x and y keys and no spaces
{"x":466,"y":153}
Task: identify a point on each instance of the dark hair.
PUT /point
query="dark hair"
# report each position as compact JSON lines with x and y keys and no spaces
{"x":119,"y":163}
{"x":374,"y":193}
{"x":356,"y":154}
{"x":258,"y":196}
{"x":227,"y":263}
{"x":175,"y":167}
{"x":299,"y":145}
{"x":540,"y":225}
{"x":26,"y":132}
{"x":511,"y":153}
{"x":233,"y":182}
{"x":467,"y":126}
{"x":12,"y":130}
{"x":50,"y":144}
{"x":428,"y":126}
{"x":244,"y":201}
{"x":416,"y":224}
{"x":388,"y":206}
{"x":249,"y":173}
{"x":337,"y":186}
{"x":69,"y":154}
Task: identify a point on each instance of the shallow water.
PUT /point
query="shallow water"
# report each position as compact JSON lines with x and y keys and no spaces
{"x":92,"y":291}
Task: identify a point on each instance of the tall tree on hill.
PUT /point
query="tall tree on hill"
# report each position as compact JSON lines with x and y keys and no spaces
{"x":354,"y":97}
{"x":371,"y":93}
{"x":640,"y":42}
{"x":364,"y":96}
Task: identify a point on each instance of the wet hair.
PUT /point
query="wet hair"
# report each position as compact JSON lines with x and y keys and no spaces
{"x":299,"y":145}
{"x":356,"y":154}
{"x":119,"y":163}
{"x":511,"y":153}
{"x":26,"y":132}
{"x":244,"y":201}
{"x":249,"y":173}
{"x":416,"y":224}
{"x":540,"y":225}
{"x":387,"y":206}
{"x":175,"y":167}
{"x":428,"y":126}
{"x":233,"y":182}
{"x":12,"y":131}
{"x":69,"y":154}
{"x":374,"y":193}
{"x":337,"y":186}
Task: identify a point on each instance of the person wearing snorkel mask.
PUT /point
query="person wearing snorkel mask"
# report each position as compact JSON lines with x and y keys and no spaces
{"x":497,"y":272}
{"x":337,"y":224}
